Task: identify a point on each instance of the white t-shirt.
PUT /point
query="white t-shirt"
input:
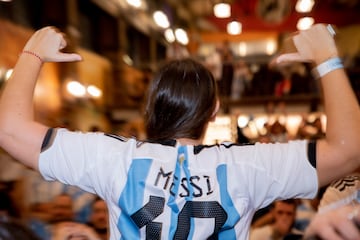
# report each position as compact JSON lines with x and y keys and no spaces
{"x":158,"y":191}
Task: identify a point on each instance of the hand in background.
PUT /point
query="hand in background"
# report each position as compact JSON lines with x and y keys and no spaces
{"x":73,"y":231}
{"x":341,"y":223}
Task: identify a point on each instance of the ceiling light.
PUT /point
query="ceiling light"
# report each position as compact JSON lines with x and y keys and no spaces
{"x":222,"y":10}
{"x":181,"y":36}
{"x":94,"y":91}
{"x":304,"y":6}
{"x":127,"y":59}
{"x":305,"y":23}
{"x":76,"y":89}
{"x":234,"y":28}
{"x":135,"y":3}
{"x":169,"y":35}
{"x":243,"y":121}
{"x":161,"y":19}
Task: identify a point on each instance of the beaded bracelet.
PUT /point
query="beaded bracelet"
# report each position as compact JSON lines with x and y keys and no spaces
{"x":329,"y":65}
{"x":34,"y":54}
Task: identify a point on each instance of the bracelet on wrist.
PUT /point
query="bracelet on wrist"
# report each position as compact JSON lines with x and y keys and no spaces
{"x":33,"y":54}
{"x":328,"y":66}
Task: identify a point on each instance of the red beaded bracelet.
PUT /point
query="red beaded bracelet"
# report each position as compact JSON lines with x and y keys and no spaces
{"x":34,"y":54}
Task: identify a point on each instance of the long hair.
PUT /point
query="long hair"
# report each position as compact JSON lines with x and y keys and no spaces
{"x":181,"y":100}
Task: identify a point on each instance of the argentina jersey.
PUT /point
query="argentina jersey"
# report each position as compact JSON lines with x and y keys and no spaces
{"x":177,"y":198}
{"x":168,"y":191}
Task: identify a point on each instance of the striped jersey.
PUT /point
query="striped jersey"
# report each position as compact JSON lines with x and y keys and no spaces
{"x":170,"y":191}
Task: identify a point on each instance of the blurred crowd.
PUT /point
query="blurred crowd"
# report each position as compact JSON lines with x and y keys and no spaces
{"x":239,"y":77}
{"x":56,"y":219}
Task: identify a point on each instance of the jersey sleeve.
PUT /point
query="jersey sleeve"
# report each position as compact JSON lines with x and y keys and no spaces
{"x":276,"y":171}
{"x":85,"y":160}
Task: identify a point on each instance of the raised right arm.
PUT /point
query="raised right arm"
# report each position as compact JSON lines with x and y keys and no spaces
{"x":339,"y":153}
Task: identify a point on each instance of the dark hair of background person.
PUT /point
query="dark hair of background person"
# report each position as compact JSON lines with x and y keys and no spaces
{"x":181,"y":100}
{"x":7,"y":205}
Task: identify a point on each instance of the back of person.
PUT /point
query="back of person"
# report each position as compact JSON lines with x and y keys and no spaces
{"x":179,"y":184}
{"x":192,"y":191}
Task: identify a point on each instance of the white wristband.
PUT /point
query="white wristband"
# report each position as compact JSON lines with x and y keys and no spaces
{"x":327,"y":66}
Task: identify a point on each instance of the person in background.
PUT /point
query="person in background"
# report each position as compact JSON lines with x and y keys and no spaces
{"x":242,"y":79}
{"x":171,"y":186}
{"x":341,"y":192}
{"x":38,"y":219}
{"x":58,"y":210}
{"x":278,"y":132}
{"x":338,"y":215}
{"x":283,"y":218}
{"x":341,"y":223}
{"x":62,"y":209}
{"x":73,"y":231}
{"x":176,"y":50}
{"x":227,"y":72}
{"x":11,"y":229}
{"x":63,"y":225}
{"x":213,"y":62}
{"x":99,"y":218}
{"x":11,"y":225}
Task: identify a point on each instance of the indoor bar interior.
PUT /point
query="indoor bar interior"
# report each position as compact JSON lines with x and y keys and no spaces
{"x":123,"y":44}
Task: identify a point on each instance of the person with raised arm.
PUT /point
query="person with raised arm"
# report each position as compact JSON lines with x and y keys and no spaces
{"x":171,"y":186}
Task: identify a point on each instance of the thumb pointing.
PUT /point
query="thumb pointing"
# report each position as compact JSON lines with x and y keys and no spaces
{"x":67,"y":57}
{"x":290,"y":57}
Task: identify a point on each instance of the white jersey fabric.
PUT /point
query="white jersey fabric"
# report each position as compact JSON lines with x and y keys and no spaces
{"x":157,"y":191}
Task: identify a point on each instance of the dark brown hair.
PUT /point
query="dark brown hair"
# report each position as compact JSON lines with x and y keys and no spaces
{"x":181,"y":101}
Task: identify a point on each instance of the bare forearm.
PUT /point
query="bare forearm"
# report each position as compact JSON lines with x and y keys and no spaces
{"x":342,"y":110}
{"x":17,"y":124}
{"x":18,"y":94}
{"x":343,"y":129}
